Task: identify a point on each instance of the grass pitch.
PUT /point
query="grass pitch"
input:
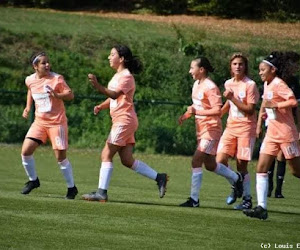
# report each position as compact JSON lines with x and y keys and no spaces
{"x":135,"y":217}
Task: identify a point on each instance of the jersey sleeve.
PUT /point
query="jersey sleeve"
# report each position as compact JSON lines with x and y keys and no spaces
{"x":62,"y":85}
{"x":125,"y":84}
{"x":285,"y":92}
{"x":214,"y":97}
{"x":252,"y":93}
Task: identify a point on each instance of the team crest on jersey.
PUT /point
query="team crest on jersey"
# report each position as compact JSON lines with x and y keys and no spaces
{"x":200,"y":95}
{"x":269,"y":95}
{"x":242,"y":94}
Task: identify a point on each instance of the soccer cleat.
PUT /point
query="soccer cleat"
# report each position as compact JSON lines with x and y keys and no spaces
{"x":96,"y":196}
{"x":278,"y":195}
{"x":246,"y":203}
{"x":231,"y":199}
{"x":190,"y":203}
{"x":72,"y":192}
{"x":257,"y":212}
{"x":29,"y":185}
{"x":237,"y":190}
{"x":162,"y":180}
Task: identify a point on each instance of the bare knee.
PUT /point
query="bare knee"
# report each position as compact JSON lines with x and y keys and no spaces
{"x":127,"y":162}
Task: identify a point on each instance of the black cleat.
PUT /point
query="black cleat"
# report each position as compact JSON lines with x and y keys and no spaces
{"x":257,"y":212}
{"x":246,"y":203}
{"x":162,"y":180}
{"x":190,"y":203}
{"x":29,"y":185}
{"x":278,"y":195}
{"x":72,"y":192}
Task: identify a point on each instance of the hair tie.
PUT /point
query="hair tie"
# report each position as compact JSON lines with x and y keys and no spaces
{"x":269,"y":63}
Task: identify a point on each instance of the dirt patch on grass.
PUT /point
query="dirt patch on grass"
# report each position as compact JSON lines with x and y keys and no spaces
{"x":225,"y":26}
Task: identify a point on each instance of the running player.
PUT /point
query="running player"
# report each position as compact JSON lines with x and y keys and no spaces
{"x":206,"y":108}
{"x":49,"y":91}
{"x":238,"y":139}
{"x":120,"y":93}
{"x":282,"y":134}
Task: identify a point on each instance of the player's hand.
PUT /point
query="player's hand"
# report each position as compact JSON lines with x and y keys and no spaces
{"x":228,"y":94}
{"x":264,"y":115}
{"x":191,"y":110}
{"x":97,"y":109}
{"x":25,"y":113}
{"x":50,"y":90}
{"x":93,"y":80}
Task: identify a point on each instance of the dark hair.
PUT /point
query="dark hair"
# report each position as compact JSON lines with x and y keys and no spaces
{"x":283,"y":62}
{"x":239,"y":55}
{"x":204,"y":62}
{"x":132,"y":63}
{"x":34,"y":59}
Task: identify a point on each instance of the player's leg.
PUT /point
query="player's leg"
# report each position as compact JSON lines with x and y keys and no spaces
{"x":280,"y":173}
{"x":140,"y":167}
{"x":35,"y":136}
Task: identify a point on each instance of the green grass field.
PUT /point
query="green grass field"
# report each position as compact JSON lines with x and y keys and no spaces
{"x":135,"y":217}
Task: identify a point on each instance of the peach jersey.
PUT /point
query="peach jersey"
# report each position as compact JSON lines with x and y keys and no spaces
{"x":122,"y":108}
{"x":281,"y":124}
{"x":206,"y":95}
{"x":49,"y":110}
{"x":239,"y":123}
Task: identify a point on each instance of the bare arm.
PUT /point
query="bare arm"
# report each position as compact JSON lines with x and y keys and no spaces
{"x":66,"y":95}
{"x":260,"y":119}
{"x":248,"y":108}
{"x":105,"y":91}
{"x":28,"y":104}
{"x":102,"y":106}
{"x":225,"y":108}
{"x":209,"y":112}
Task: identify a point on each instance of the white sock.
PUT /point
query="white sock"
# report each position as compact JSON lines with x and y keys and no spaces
{"x":106,"y":170}
{"x":67,"y":171}
{"x":247,"y":185}
{"x":29,"y":166}
{"x":230,"y":175}
{"x":143,"y":169}
{"x":196,"y":183}
{"x":262,"y":182}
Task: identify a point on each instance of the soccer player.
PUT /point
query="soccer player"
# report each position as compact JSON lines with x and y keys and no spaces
{"x":282,"y":134}
{"x":206,"y":108}
{"x":120,"y":93}
{"x":239,"y":136}
{"x":48,"y":90}
{"x":293,"y":82}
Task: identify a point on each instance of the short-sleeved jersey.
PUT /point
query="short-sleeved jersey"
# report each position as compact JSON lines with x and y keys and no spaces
{"x":122,"y":109}
{"x":239,"y":123}
{"x":206,"y":95}
{"x":49,"y":110}
{"x":281,"y":126}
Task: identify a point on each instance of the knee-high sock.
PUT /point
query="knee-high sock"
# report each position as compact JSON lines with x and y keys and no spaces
{"x":29,"y":166}
{"x":230,"y":175}
{"x":143,"y":169}
{"x":105,"y":173}
{"x":262,"y":189}
{"x":247,"y":185}
{"x":67,"y":171}
{"x":271,"y":173}
{"x":196,"y":183}
{"x":280,"y":175}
